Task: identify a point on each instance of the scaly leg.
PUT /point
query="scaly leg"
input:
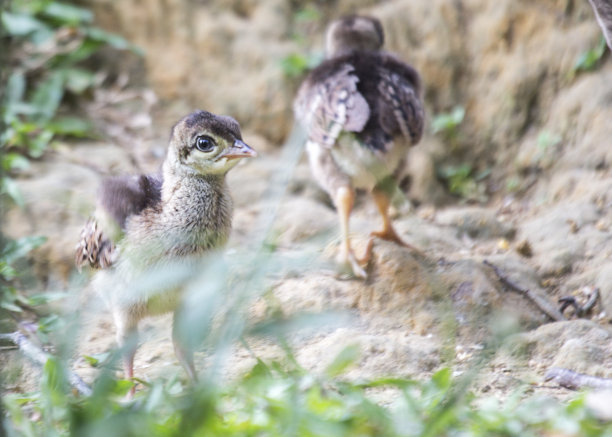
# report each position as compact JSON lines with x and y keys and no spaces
{"x":382,"y":200}
{"x":127,"y":339}
{"x":183,"y":353}
{"x":345,"y":198}
{"x":337,"y":184}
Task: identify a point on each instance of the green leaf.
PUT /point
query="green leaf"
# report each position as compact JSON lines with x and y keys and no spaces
{"x":10,"y":306}
{"x":97,"y":359}
{"x":48,"y":95}
{"x":15,"y":88}
{"x":348,"y":356}
{"x":78,"y":80}
{"x":294,"y":65}
{"x":25,"y":127}
{"x":112,"y":39}
{"x":446,"y":122}
{"x":10,"y":188}
{"x":53,"y":380}
{"x":20,"y":24}
{"x":23,"y":108}
{"x":387,"y":381}
{"x":38,"y":145}
{"x":456,"y":173}
{"x":50,"y":323}
{"x":73,"y":126}
{"x":14,"y":162}
{"x":44,"y":298}
{"x":155,"y":399}
{"x":442,"y":378}
{"x":67,"y":14}
{"x":7,"y":272}
{"x":16,"y":249}
{"x":87,"y":48}
{"x":308,"y":14}
{"x":122,"y":386}
{"x":588,"y":60}
{"x":92,"y":361}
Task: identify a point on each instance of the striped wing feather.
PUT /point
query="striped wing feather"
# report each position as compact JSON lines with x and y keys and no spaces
{"x":328,"y":107}
{"x":401,"y":109}
{"x":372,"y":94}
{"x":120,"y":198}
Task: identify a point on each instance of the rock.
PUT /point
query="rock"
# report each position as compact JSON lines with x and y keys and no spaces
{"x":304,"y":219}
{"x":193,"y":44}
{"x":481,"y":305}
{"x":579,"y":345}
{"x":424,"y":185}
{"x":603,"y":281}
{"x":475,"y":222}
{"x":391,"y":353}
{"x":582,"y":122}
{"x":564,"y":240}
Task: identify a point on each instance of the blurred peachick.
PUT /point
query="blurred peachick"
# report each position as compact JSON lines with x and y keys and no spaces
{"x":362,"y":111}
{"x":145,"y":222}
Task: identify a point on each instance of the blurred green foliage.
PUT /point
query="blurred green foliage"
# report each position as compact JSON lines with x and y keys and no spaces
{"x":282,"y":399}
{"x":589,"y":60}
{"x":546,"y":140}
{"x":294,"y":65}
{"x":45,"y":48}
{"x":12,"y":251}
{"x":14,"y":301}
{"x":462,"y":180}
{"x":447,"y":123}
{"x":47,"y":45}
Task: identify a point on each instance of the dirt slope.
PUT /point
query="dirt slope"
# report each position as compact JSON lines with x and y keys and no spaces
{"x":541,"y":133}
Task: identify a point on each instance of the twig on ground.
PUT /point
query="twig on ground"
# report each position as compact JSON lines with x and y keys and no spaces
{"x":588,"y":306}
{"x":575,"y":381}
{"x":543,"y":304}
{"x":580,"y":310}
{"x":39,"y":357}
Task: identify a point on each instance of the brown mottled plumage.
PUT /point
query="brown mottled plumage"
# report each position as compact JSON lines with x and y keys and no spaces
{"x":362,"y":110}
{"x":143,"y":222}
{"x":119,"y":198}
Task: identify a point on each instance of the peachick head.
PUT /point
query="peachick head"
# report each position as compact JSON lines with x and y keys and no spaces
{"x":353,"y":33}
{"x":206,"y":144}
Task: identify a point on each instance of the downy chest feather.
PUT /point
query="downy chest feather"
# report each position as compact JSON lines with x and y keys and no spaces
{"x":366,"y":166}
{"x":195,"y":217}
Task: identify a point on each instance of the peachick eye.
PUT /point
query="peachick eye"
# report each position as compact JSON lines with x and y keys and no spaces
{"x":205,"y":144}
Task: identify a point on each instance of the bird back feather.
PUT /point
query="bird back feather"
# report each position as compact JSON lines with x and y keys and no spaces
{"x":371,"y":94}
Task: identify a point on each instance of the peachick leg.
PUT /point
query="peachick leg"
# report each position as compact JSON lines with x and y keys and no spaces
{"x":344,"y":200}
{"x":183,"y":354}
{"x":127,"y":339}
{"x":382,"y":200}
{"x":337,"y":184}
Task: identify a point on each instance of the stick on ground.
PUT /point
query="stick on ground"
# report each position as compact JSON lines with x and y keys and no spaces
{"x":544,"y":305}
{"x":40,"y":357}
{"x":575,"y":381}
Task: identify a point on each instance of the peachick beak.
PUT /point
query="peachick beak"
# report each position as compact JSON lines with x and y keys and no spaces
{"x":239,"y":150}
